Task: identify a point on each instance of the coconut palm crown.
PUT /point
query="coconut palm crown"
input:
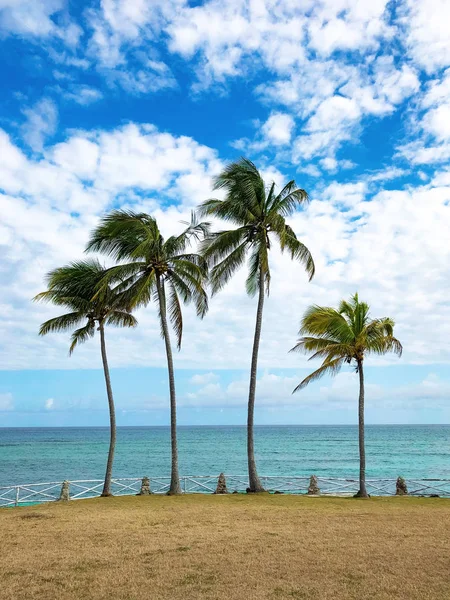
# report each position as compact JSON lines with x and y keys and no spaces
{"x":259,"y":214}
{"x":155,"y":268}
{"x":74,"y":287}
{"x":345,"y":336}
{"x":152,"y":264}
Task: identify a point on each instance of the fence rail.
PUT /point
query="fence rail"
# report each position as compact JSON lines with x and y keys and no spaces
{"x":36,"y":493}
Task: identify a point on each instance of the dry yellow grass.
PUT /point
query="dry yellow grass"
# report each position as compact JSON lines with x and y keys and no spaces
{"x":233,"y":547}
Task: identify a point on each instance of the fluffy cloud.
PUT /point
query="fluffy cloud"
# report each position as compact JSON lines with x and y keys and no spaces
{"x":322,"y":67}
{"x":278,"y":129}
{"x":427,"y":36}
{"x":50,"y":204}
{"x":322,"y":71}
{"x":6,"y":402}
{"x":29,"y":18}
{"x":83,"y":94}
{"x":337,"y":393}
{"x":49,"y":404}
{"x":362,"y":239}
{"x":430,"y":124}
{"x":204,"y":379}
{"x":41,"y":121}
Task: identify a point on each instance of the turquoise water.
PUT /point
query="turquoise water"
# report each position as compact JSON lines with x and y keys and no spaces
{"x":49,"y":454}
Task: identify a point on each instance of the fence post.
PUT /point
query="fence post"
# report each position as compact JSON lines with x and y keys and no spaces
{"x":64,"y":496}
{"x":221,"y":485}
{"x":400,"y":487}
{"x":145,"y":487}
{"x":17,"y":495}
{"x":313,"y":488}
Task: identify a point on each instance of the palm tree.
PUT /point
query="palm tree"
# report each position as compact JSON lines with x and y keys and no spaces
{"x":258,"y":212}
{"x":74,"y":287}
{"x":346,"y":335}
{"x":156,"y":269}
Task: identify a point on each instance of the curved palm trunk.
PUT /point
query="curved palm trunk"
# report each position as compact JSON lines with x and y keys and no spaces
{"x":175,"y":487}
{"x":362,"y":493}
{"x":254,"y":482}
{"x":112,"y":416}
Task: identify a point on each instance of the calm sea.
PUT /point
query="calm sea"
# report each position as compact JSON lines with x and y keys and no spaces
{"x":50,"y":454}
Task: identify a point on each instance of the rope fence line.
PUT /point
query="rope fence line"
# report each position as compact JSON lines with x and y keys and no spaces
{"x":37,"y":493}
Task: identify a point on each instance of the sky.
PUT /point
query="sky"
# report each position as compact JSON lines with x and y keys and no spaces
{"x":110,"y":103}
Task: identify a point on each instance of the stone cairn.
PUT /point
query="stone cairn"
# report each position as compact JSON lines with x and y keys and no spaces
{"x":145,"y":487}
{"x":400,"y":487}
{"x":64,"y":496}
{"x":313,"y":489}
{"x":221,"y":485}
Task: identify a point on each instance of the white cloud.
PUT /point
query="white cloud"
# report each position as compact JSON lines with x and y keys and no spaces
{"x":41,"y":122}
{"x":386,"y":174}
{"x":371,"y":246}
{"x":438,"y":91}
{"x":331,"y":393}
{"x":419,"y":153}
{"x":123,"y":43}
{"x":319,"y":61}
{"x":437,"y":122}
{"x":278,"y":129}
{"x":33,"y":18}
{"x":427,"y":40}
{"x":332,"y":113}
{"x":6,"y":402}
{"x":49,"y":404}
{"x":83,"y":94}
{"x":204,"y":379}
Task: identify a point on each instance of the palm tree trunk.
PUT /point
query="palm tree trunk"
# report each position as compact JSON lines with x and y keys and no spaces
{"x":112,"y":416}
{"x":362,"y":493}
{"x":175,"y":487}
{"x":254,"y":482}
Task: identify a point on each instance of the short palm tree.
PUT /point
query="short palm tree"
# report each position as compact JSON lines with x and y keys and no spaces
{"x":258,"y":212}
{"x":346,"y":335}
{"x":156,"y":269}
{"x":74,"y":287}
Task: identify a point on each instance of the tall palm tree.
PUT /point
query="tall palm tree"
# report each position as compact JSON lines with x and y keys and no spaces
{"x":258,"y":212}
{"x":346,"y":335}
{"x":74,"y":287}
{"x":156,"y":269}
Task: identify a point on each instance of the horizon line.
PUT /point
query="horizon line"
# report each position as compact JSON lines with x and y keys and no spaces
{"x":225,"y":425}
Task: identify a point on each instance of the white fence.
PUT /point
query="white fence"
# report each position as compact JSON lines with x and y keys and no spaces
{"x":206,"y":484}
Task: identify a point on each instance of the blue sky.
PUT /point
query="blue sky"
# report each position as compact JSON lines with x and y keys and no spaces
{"x":112,"y":103}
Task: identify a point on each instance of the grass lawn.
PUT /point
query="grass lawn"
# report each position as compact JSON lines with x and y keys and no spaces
{"x":233,"y":547}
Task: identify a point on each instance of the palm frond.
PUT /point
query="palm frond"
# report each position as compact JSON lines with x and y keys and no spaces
{"x":175,"y":314}
{"x":123,"y":234}
{"x":326,"y":321}
{"x":62,"y":323}
{"x":81,"y":335}
{"x":196,"y":229}
{"x":289,"y":199}
{"x":331,"y":367}
{"x":224,"y":270}
{"x":216,"y":247}
{"x":252,"y":282}
{"x":322,"y":348}
{"x":297,"y":250}
{"x":137,"y":291}
{"x":343,"y":335}
{"x":121,"y":318}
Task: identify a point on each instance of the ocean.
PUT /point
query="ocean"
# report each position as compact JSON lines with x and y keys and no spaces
{"x":33,"y":455}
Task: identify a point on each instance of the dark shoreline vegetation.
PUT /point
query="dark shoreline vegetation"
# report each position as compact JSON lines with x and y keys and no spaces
{"x":150,"y":268}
